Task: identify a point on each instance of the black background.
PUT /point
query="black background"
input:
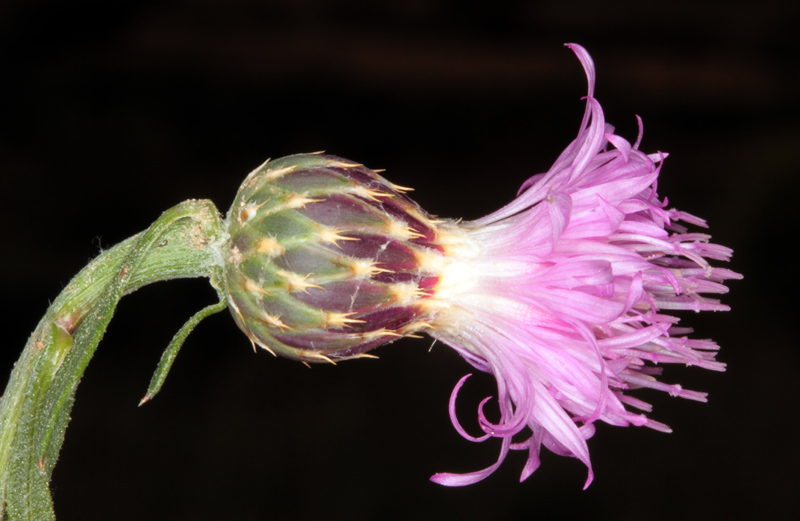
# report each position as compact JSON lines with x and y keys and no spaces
{"x":111,"y":112}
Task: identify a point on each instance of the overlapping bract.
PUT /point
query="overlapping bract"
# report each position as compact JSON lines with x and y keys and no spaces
{"x":322,"y":259}
{"x":570,"y":283}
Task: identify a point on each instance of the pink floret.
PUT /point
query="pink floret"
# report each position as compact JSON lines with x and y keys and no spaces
{"x":567,"y":312}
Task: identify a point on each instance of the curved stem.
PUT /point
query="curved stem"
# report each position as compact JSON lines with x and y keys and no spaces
{"x":35,"y":408}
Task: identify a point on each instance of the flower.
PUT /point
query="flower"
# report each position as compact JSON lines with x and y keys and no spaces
{"x":563,"y":296}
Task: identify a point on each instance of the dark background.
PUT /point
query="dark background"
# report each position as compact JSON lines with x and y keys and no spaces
{"x":111,"y":112}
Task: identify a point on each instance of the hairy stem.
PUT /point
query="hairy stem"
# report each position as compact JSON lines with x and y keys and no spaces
{"x":35,"y":407}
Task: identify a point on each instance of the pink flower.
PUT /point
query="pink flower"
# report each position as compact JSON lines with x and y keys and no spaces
{"x":562,"y":295}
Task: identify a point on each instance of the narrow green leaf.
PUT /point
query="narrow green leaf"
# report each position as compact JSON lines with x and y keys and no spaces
{"x":165,"y":364}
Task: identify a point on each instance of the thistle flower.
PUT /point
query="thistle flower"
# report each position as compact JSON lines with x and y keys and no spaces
{"x":560,"y":294}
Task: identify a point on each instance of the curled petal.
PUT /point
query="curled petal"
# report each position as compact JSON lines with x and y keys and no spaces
{"x":449,"y":479}
{"x":454,"y":417}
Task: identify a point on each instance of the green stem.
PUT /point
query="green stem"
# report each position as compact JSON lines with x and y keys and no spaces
{"x":34,"y":411}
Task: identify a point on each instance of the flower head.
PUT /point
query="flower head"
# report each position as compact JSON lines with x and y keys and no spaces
{"x":562,"y":295}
